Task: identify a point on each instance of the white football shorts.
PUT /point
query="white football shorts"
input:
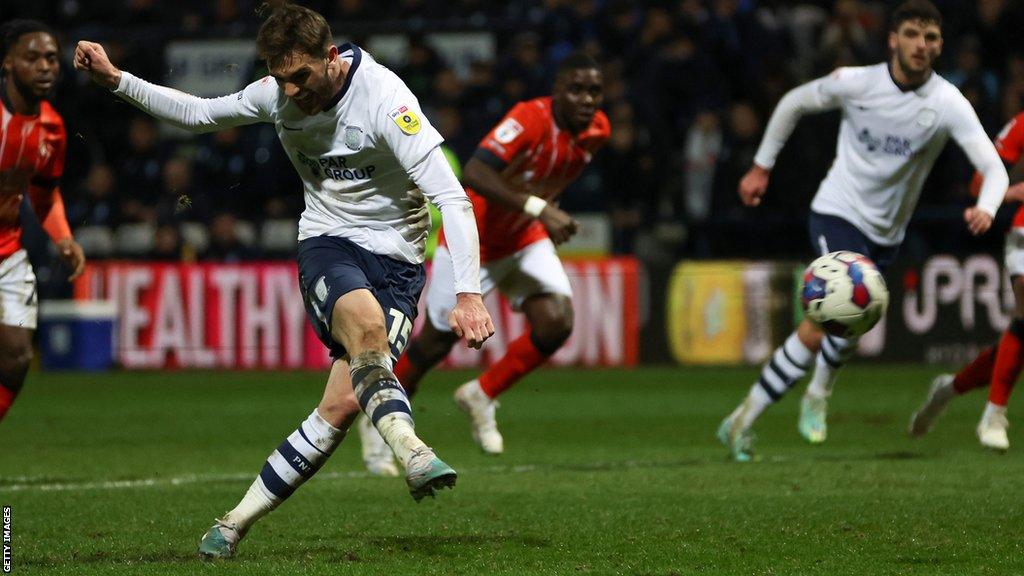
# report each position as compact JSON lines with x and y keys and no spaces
{"x":533,"y":270}
{"x":19,"y":304}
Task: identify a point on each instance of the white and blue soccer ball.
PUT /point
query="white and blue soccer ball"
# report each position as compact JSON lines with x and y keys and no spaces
{"x":844,"y":293}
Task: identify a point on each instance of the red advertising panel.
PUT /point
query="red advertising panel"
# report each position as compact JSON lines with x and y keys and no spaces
{"x":252,"y":316}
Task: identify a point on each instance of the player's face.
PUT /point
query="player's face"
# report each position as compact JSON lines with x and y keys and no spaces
{"x":579,"y":94}
{"x":916,"y":45}
{"x":305,"y":80}
{"x":33,"y":65}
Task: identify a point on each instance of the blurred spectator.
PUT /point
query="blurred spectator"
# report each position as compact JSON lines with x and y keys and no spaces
{"x":179,"y":200}
{"x":630,"y":182}
{"x":703,"y":148}
{"x":225,"y":245}
{"x":140,"y":169}
{"x":848,"y":37}
{"x":95,"y":203}
{"x":422,"y":63}
{"x":167,"y":244}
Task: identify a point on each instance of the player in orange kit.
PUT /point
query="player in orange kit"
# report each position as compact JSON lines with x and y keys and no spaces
{"x":996,"y":366}
{"x":32,"y":145}
{"x":514,"y":180}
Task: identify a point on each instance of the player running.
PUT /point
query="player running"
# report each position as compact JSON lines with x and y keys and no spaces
{"x":897,"y":116}
{"x":514,"y":180}
{"x":999,"y":365}
{"x":32,"y":146}
{"x":367,"y":157}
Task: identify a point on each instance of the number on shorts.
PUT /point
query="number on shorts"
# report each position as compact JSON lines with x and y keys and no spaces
{"x":398,"y":335}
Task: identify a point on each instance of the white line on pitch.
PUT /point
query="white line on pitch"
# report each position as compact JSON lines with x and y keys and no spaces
{"x":29,"y":484}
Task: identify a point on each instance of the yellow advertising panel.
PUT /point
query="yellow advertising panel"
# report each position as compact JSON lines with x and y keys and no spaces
{"x":706,"y":321}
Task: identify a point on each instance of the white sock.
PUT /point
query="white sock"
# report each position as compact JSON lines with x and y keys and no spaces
{"x":992,"y":410}
{"x":834,"y":353}
{"x":751,"y":408}
{"x":301,"y":454}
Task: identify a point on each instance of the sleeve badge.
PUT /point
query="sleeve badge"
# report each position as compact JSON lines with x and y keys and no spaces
{"x":406,"y":119}
{"x":508,"y":131}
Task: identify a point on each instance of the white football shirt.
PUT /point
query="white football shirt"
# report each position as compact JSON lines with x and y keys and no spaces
{"x":354,"y":158}
{"x":888,"y":142}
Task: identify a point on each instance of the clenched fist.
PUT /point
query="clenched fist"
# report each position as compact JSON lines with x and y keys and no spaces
{"x":92,"y":58}
{"x":470,"y":320}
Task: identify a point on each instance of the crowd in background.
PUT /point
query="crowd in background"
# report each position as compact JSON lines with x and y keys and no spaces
{"x":689,"y":85}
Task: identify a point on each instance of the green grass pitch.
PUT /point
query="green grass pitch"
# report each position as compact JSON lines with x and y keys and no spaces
{"x":605,"y":472}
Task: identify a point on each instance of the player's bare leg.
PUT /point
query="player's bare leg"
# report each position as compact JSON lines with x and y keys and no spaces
{"x":301,"y":454}
{"x":788,"y":364}
{"x":550,"y":317}
{"x":357,"y":322}
{"x":15,"y":356}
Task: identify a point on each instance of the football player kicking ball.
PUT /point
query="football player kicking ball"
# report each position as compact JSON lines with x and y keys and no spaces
{"x":1000,"y":365}
{"x":32,"y":145}
{"x":897,"y":116}
{"x":514,"y":180}
{"x":367,"y":158}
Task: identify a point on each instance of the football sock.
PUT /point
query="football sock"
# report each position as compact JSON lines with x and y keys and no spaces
{"x":976,"y":374}
{"x":1008,"y":363}
{"x":835,"y":352}
{"x":992,"y":409}
{"x":788,"y":364}
{"x":384,"y":401}
{"x":6,"y":399}
{"x":521,"y":358}
{"x":301,"y":454}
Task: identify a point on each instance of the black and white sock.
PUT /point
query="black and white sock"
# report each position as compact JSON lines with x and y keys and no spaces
{"x":301,"y":454}
{"x":788,"y":364}
{"x":835,"y":352}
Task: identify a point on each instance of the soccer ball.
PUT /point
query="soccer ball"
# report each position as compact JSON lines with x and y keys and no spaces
{"x":844,"y":293}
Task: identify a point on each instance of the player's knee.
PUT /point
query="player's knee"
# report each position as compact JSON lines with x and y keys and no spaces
{"x":361,"y":333}
{"x":552,"y":331}
{"x":15,"y":362}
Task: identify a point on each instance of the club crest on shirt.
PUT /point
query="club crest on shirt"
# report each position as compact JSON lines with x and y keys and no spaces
{"x":354,"y":138}
{"x":406,"y":119}
{"x":508,"y":130}
{"x":926,"y":117}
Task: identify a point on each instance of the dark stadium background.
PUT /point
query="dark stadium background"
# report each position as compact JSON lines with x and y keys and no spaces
{"x":689,"y":87}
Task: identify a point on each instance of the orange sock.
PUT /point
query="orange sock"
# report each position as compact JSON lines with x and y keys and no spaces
{"x":6,"y":399}
{"x":519,"y":360}
{"x":976,"y":374}
{"x":1008,"y":364}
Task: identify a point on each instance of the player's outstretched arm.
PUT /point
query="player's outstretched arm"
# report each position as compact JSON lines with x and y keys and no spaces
{"x":178,"y":108}
{"x":434,"y":177}
{"x":815,"y":96}
{"x":496,"y":188}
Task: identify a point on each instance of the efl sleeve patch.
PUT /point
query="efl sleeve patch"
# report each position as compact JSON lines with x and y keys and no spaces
{"x":508,"y":130}
{"x":406,"y":119}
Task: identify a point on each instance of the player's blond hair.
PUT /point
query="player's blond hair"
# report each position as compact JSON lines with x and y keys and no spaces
{"x":291,"y":28}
